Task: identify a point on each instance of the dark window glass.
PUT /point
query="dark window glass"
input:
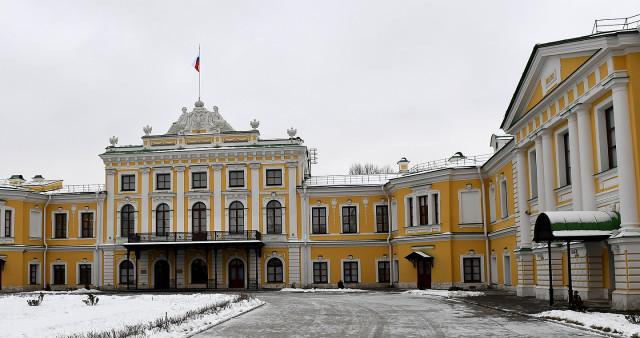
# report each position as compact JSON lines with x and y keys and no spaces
{"x":199,"y":180}
{"x":126,"y":220}
{"x":198,"y":272}
{"x":410,"y":204}
{"x":61,"y":226}
{"x":611,"y":138}
{"x":436,"y":214}
{"x":274,"y":270}
{"x":33,"y":274}
{"x":7,"y":223}
{"x":199,"y":217}
{"x":236,"y":217}
{"x":163,"y":181}
{"x":320,"y":273}
{"x":349,"y":220}
{"x":567,"y":157}
{"x":382,"y":218}
{"x":58,"y":274}
{"x":319,"y":220}
{"x":350,"y":272}
{"x":128,"y":182}
{"x":236,"y":178}
{"x":423,"y":205}
{"x":471,"y":270}
{"x":87,"y":224}
{"x":274,"y":177}
{"x":126,"y":269}
{"x":274,"y":217}
{"x":162,"y":219}
{"x":85,"y":274}
{"x":384,"y":272}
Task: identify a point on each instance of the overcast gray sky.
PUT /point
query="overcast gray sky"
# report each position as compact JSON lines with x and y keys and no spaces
{"x":362,"y":81}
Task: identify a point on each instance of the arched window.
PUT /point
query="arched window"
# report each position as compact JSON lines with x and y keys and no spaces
{"x":126,"y":220}
{"x":274,"y":217}
{"x":236,"y":218}
{"x":199,"y":217}
{"x":162,"y":220}
{"x":274,"y":270}
{"x":126,"y":269}
{"x":198,"y":272}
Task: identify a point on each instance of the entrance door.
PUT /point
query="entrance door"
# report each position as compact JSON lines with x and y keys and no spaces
{"x":236,"y":273}
{"x":424,"y":274}
{"x":161,"y":274}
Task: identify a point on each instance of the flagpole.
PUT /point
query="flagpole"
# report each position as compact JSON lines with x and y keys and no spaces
{"x":198,"y":74}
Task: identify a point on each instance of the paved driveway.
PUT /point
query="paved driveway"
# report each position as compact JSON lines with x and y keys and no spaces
{"x":379,"y":314}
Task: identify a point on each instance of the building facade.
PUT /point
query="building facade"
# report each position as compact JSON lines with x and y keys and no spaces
{"x":207,"y":206}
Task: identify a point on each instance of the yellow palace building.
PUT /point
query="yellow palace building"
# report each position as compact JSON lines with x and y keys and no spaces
{"x":207,"y":206}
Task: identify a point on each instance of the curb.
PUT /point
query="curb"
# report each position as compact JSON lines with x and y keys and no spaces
{"x":205,"y":328}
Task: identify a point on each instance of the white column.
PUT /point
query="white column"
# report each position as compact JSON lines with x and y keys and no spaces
{"x":144,"y":201}
{"x":523,"y":204}
{"x":292,"y":206}
{"x":255,"y":196}
{"x":626,"y":168}
{"x":111,"y":190}
{"x":574,"y":157}
{"x":180,"y":226}
{"x":549,"y":174}
{"x":542,"y":193}
{"x":586,"y":159}
{"x":217,"y":208}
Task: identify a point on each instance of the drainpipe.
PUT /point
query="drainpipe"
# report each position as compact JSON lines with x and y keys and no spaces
{"x":46,"y":247}
{"x":484,"y":226}
{"x":96,"y":280}
{"x":389,"y":235}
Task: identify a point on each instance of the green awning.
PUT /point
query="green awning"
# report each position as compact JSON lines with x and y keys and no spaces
{"x":575,"y":225}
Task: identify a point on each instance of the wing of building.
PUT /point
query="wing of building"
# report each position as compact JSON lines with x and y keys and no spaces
{"x":208,"y":206}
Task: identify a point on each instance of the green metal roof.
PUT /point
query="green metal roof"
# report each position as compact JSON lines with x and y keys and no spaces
{"x":575,"y":225}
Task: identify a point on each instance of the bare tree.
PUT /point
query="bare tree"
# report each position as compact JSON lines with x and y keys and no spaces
{"x":369,"y":168}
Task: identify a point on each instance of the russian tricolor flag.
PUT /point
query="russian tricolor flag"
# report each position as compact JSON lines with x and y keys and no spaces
{"x":196,"y":62}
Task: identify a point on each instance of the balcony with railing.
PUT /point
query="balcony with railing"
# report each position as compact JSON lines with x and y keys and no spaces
{"x":186,"y":237}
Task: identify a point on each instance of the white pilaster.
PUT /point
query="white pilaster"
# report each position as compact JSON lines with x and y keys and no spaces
{"x":292,"y":206}
{"x":574,"y":157}
{"x":542,"y":193}
{"x":111,"y":236}
{"x":255,"y":196}
{"x":144,"y":202}
{"x":180,"y":226}
{"x":523,"y":205}
{"x":549,"y":174}
{"x":143,"y":266}
{"x":217,"y":208}
{"x":586,"y":159}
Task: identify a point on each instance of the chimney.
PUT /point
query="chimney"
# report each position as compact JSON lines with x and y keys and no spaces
{"x":403,"y":166}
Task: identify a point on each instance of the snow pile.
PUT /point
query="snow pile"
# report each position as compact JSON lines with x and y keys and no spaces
{"x":444,"y":293}
{"x":323,"y":290}
{"x":595,"y":320}
{"x":63,"y":314}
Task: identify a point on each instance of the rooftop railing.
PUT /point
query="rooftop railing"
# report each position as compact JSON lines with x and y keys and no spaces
{"x":451,"y":162}
{"x":373,"y":179}
{"x":67,"y":189}
{"x":608,"y":25}
{"x":206,"y":236}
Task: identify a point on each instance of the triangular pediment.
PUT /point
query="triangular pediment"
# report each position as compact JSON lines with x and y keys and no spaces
{"x":198,"y":121}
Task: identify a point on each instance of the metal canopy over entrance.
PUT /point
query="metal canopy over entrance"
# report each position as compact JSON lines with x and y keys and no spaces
{"x":423,"y":263}
{"x":567,"y":226}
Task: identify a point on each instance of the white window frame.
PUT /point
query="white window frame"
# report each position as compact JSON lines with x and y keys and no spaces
{"x":38,"y":218}
{"x":349,"y":204}
{"x":342,"y":261}
{"x":266,"y":268}
{"x":155,"y":202}
{"x":504,"y":198}
{"x":461,"y":210}
{"x":66,"y":273}
{"x":318,"y":205}
{"x":192,"y":200}
{"x":199,"y":169}
{"x":409,"y":208}
{"x":242,"y":199}
{"x":482,"y":272}
{"x":236,"y":167}
{"x":431,"y":209}
{"x":376,"y":269}
{"x":265,"y":201}
{"x":492,"y":202}
{"x":264,"y":175}
{"x":3,"y":209}
{"x":601,"y":133}
{"x":560,"y":160}
{"x":127,"y":173}
{"x":38,"y":272}
{"x":328,"y":270}
{"x":121,"y":203}
{"x":375,"y":216}
{"x":78,"y":272}
{"x":95,"y":220}
{"x":157,"y":171}
{"x":532,"y":159}
{"x":53,"y":224}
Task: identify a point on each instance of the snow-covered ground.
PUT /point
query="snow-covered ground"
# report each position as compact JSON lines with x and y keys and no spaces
{"x":444,"y":293}
{"x":64,"y":313}
{"x":322,"y":290}
{"x":597,"y":320}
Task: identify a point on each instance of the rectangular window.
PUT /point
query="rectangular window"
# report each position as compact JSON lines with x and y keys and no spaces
{"x":7,"y":223}
{"x":410,"y":210}
{"x":128,"y":183}
{"x":85,"y":274}
{"x":274,"y":177}
{"x":384,"y":272}
{"x":236,"y":178}
{"x":382,"y":218}
{"x":423,"y":209}
{"x":35,"y":224}
{"x":198,"y":180}
{"x":350,"y":270}
{"x":60,"y":226}
{"x":492,"y":204}
{"x":533,"y":175}
{"x":320,"y":272}
{"x":349,"y":220}
{"x":611,"y":138}
{"x":504,"y":209}
{"x":58,"y":274}
{"x":567,"y":159}
{"x":436,"y":213}
{"x":87,"y":224}
{"x":163,"y":181}
{"x":33,"y":274}
{"x":471,"y":270}
{"x":319,"y":220}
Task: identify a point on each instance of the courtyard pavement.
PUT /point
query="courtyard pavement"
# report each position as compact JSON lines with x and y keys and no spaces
{"x":386,"y":314}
